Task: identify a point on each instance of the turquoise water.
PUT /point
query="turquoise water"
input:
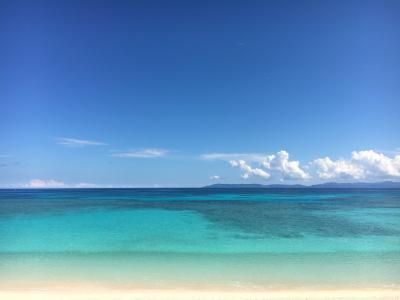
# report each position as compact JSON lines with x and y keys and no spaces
{"x":256,"y":238}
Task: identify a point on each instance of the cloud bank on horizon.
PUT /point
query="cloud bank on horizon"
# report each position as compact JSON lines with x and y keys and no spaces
{"x":365,"y":165}
{"x":362,"y":165}
{"x":56,"y":184}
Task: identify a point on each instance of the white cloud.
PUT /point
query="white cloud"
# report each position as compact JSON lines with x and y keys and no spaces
{"x":69,"y":142}
{"x":245,"y":175}
{"x":144,"y":153}
{"x":362,"y":165}
{"x":215,"y":177}
{"x":288,"y":169}
{"x":54,"y":184}
{"x":87,"y":185}
{"x":44,"y":183}
{"x":377,"y":164}
{"x":339,"y":169}
{"x":365,"y":165}
{"x":250,"y":157}
{"x":248,"y":170}
{"x":275,"y":165}
{"x":233,"y":163}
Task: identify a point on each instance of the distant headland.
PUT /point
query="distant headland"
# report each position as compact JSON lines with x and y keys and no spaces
{"x":328,"y":185}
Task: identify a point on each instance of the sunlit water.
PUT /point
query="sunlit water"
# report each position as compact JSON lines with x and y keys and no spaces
{"x":251,"y":238}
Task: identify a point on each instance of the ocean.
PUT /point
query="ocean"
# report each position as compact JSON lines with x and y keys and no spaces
{"x":203,"y":238}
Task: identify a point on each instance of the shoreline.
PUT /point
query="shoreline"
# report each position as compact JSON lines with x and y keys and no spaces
{"x":100,"y":293}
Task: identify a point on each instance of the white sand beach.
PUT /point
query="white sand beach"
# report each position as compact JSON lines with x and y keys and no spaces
{"x":176,"y":294}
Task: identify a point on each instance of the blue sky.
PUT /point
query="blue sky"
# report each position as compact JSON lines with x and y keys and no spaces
{"x":144,"y":93}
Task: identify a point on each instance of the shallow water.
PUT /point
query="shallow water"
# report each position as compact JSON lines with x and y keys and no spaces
{"x":201,"y":237}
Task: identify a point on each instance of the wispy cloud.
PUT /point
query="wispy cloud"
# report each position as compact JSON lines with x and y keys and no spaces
{"x":215,"y":177}
{"x":251,"y":157}
{"x":70,"y":142}
{"x":143,"y":153}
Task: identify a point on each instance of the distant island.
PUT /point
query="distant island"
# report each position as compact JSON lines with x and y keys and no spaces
{"x":328,"y":185}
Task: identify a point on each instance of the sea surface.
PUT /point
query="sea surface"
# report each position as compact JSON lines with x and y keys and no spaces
{"x":204,"y":238}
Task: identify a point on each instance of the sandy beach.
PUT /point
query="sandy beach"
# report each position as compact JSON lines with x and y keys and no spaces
{"x":111,"y":294}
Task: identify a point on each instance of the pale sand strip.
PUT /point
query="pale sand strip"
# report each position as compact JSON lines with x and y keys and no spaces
{"x":100,"y":294}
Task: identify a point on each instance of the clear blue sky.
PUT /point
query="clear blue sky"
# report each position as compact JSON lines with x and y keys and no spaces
{"x":173,"y":80}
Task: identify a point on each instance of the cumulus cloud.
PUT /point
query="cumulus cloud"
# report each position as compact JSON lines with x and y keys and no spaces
{"x":275,"y":165}
{"x":339,"y":169}
{"x":144,"y":153}
{"x":248,"y":170}
{"x":363,"y":165}
{"x":233,"y":163}
{"x":70,"y":142}
{"x":288,"y":169}
{"x":215,"y":177}
{"x":378,"y":164}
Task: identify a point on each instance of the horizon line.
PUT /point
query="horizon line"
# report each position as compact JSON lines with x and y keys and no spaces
{"x":244,"y":185}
